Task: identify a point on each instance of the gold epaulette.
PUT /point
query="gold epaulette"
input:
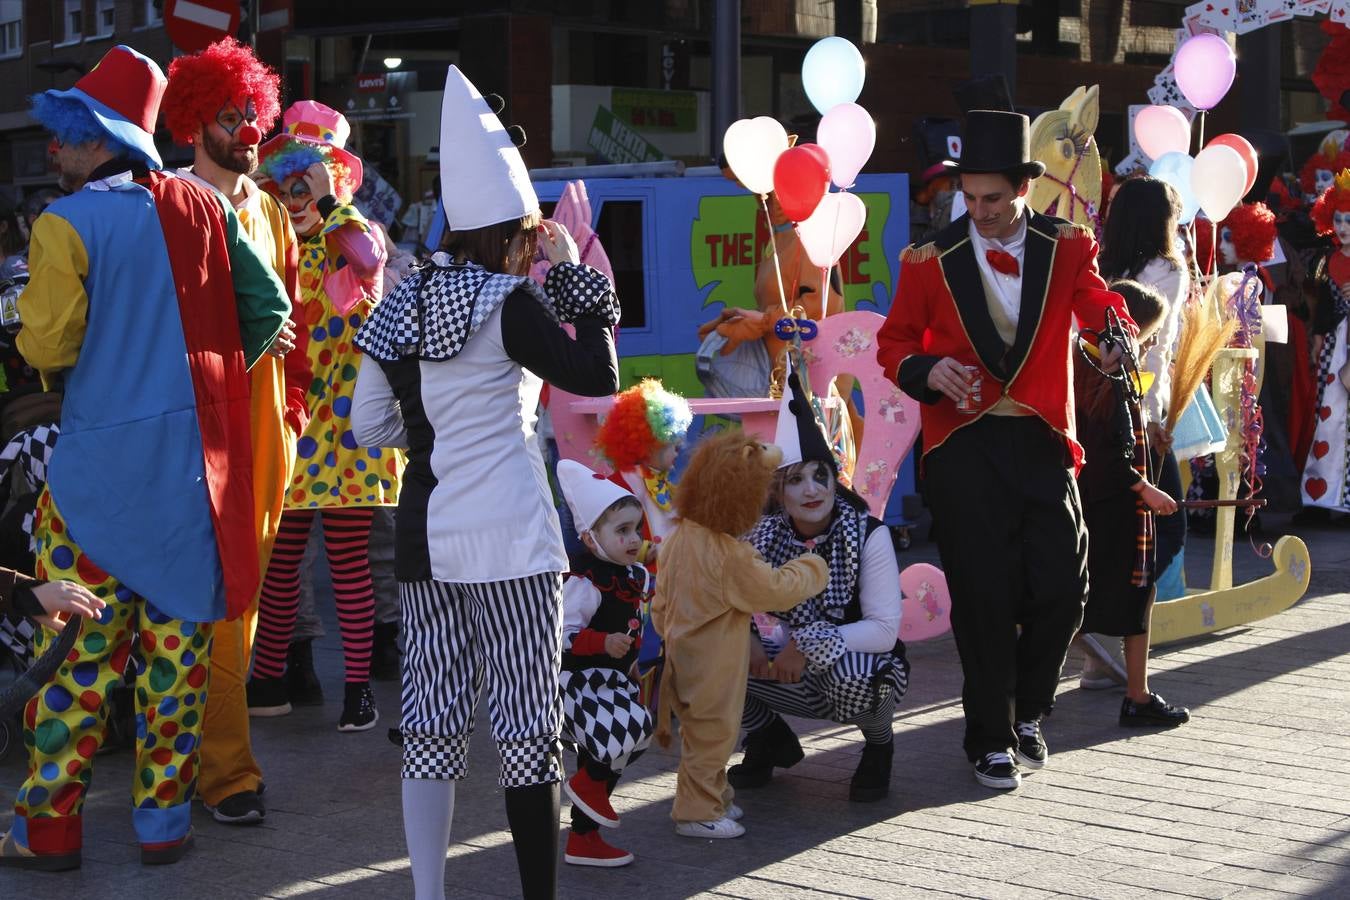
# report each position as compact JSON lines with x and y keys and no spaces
{"x":1071,"y":230}
{"x":918,"y":254}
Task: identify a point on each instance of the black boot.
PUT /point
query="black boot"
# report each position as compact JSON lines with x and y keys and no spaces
{"x":384,"y":656}
{"x":532,"y":813}
{"x":772,"y":746}
{"x":302,"y":685}
{"x":872,"y":779}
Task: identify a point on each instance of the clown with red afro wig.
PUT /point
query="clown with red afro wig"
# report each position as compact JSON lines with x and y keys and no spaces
{"x":1329,"y":159}
{"x":224,"y":74}
{"x":1251,"y":229}
{"x":645,"y":419}
{"x":1335,"y":199}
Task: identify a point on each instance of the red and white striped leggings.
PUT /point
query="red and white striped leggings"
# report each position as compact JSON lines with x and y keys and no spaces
{"x":346,"y":537}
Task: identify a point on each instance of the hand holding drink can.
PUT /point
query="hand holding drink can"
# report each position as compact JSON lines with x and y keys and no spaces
{"x":970,"y":404}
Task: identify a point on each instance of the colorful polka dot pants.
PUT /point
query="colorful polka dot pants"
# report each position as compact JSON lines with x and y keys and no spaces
{"x":64,"y":723}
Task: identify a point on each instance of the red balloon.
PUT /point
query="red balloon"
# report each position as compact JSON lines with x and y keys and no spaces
{"x":800,"y":179}
{"x":1245,"y":150}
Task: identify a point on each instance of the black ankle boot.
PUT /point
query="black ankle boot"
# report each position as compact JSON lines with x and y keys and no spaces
{"x":302,"y":685}
{"x":384,"y":656}
{"x":872,"y":779}
{"x":532,"y":813}
{"x":772,"y":746}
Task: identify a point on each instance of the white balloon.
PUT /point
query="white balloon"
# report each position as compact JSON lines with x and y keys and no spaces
{"x":848,"y":135}
{"x":835,"y":225}
{"x":752,"y":146}
{"x":1218,"y":180}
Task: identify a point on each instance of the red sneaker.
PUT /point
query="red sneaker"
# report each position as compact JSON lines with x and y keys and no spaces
{"x":591,"y":850}
{"x":592,"y":798}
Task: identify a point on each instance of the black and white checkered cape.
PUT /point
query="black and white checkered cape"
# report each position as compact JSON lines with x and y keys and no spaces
{"x":603,"y":714}
{"x":433,"y":312}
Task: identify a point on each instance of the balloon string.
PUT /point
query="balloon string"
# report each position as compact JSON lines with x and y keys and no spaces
{"x":773,"y":251}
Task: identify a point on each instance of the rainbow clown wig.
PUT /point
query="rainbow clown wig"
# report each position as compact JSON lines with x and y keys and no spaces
{"x":292,"y":157}
{"x":201,"y":84}
{"x":71,"y":122}
{"x":1252,"y":226}
{"x":1333,"y":200}
{"x":644,"y":418}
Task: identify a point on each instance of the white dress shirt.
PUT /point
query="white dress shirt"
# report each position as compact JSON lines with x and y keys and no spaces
{"x":1006,"y":289}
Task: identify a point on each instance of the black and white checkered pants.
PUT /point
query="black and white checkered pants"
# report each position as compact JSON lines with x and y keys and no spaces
{"x":603,"y":714}
{"x":507,"y":632}
{"x":859,"y":689}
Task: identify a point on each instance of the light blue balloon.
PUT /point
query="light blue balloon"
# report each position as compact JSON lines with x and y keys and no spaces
{"x":1175,"y":169}
{"x":832,"y":73}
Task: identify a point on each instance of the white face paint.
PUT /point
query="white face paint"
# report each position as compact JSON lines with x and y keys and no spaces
{"x":1340,"y":223}
{"x":1227,"y":252}
{"x":1324,"y":180}
{"x":808,"y":497}
{"x":618,"y":534}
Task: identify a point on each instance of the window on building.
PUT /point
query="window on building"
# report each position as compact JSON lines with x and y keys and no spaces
{"x":621,"y":232}
{"x":72,"y":21}
{"x":105,"y":18}
{"x":11,"y":28}
{"x":147,"y":13}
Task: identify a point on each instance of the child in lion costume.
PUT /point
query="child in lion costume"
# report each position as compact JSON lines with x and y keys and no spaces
{"x":711,"y":583}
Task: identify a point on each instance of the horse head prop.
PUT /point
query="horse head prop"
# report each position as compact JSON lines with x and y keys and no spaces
{"x":1071,"y":187}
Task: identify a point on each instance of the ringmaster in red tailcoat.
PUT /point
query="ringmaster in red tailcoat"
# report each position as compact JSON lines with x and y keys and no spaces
{"x":979,"y":333}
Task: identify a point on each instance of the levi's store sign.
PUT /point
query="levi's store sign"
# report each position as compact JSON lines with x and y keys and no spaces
{"x":371,"y":84}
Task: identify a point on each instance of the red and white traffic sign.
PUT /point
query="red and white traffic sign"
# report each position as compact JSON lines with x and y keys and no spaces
{"x":195,"y":24}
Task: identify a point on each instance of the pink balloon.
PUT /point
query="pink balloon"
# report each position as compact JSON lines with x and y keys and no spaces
{"x":1162,"y":129}
{"x":832,"y":228}
{"x":848,"y":135}
{"x":1205,"y":67}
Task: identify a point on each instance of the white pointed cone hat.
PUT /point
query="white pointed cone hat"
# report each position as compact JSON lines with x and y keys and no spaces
{"x":483,"y":177}
{"x":588,"y":493}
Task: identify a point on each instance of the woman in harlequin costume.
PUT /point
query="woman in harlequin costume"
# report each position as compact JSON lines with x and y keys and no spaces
{"x":455,"y":360}
{"x":341,"y":268}
{"x":1326,"y":474}
{"x":640,"y":438}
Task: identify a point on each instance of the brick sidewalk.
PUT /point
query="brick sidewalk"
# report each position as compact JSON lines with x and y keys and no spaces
{"x":1252,"y":799}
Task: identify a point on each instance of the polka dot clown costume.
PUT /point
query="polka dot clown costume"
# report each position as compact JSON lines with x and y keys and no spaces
{"x":341,"y":268}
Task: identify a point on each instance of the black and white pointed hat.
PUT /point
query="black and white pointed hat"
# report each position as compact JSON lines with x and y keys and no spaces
{"x":799,"y":433}
{"x":483,"y":176}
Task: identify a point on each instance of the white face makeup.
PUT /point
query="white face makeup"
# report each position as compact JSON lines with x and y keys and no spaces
{"x":1324,"y":177}
{"x":808,"y":497}
{"x":662,"y":459}
{"x":1227,"y":252}
{"x":618,"y":535}
{"x":301,"y":204}
{"x":1340,"y":223}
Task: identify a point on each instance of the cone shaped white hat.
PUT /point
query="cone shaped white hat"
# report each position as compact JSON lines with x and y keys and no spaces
{"x":588,"y":494}
{"x":483,"y":177}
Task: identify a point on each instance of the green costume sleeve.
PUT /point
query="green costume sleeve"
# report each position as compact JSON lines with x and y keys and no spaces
{"x":260,"y":297}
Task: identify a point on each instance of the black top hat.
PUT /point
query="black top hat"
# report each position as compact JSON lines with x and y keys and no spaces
{"x":996,"y":141}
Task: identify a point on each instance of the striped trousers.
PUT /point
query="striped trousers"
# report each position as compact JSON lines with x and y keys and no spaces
{"x":346,"y":534}
{"x":508,"y":633}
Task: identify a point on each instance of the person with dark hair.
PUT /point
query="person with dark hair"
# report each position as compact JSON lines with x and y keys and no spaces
{"x":1140,"y":242}
{"x":454,"y":362}
{"x":1120,"y":503}
{"x":979,"y":334}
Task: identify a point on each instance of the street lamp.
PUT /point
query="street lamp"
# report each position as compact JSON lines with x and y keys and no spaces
{"x":393,"y":62}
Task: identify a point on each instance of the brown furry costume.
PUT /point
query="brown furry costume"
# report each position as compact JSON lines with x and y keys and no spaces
{"x":711,"y":582}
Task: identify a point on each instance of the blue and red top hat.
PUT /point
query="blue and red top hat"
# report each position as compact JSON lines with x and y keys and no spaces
{"x":122,"y":93}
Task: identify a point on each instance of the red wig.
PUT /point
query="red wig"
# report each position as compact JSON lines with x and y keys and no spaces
{"x":1332,"y":73}
{"x":1333,"y":200}
{"x":1307,"y":176}
{"x":200,"y":84}
{"x":1253,"y":228}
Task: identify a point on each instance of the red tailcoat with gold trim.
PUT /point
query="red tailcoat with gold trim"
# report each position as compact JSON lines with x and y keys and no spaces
{"x":940,"y":310}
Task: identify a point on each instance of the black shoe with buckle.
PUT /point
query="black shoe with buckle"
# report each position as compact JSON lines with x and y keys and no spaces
{"x":998,"y":771}
{"x":1156,"y":712}
{"x":243,"y":808}
{"x":872,"y":779}
{"x":358,"y":707}
{"x":1031,"y":750}
{"x":773,"y":746}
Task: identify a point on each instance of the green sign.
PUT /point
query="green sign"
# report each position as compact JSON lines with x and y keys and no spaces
{"x":656,"y":110}
{"x":617,"y":142}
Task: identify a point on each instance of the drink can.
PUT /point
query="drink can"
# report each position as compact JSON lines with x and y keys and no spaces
{"x":971,"y":403}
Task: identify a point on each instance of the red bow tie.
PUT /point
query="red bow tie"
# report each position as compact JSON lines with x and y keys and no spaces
{"x":1003,"y":262}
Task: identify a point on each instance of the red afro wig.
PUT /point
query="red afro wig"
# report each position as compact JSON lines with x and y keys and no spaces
{"x":1332,"y":73}
{"x":1307,"y":176}
{"x":200,"y":84}
{"x":1333,"y":200}
{"x":1253,"y":228}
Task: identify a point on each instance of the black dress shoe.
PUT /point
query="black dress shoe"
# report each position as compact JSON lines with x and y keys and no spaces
{"x":1156,"y":711}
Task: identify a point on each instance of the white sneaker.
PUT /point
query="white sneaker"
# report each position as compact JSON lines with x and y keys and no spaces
{"x":718,"y":828}
{"x":734,"y":812}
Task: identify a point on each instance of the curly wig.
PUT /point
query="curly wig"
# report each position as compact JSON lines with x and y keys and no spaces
{"x":295,"y":157}
{"x":1333,"y":200}
{"x":1323,"y":159}
{"x":726,"y":484}
{"x":644,"y":417}
{"x":200,"y":84}
{"x":71,"y":122}
{"x":1332,"y":72}
{"x":1253,"y":228}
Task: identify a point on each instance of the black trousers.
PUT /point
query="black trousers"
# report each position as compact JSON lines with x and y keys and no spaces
{"x":1014,"y":550}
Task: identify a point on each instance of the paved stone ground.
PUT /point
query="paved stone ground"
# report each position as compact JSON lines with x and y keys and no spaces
{"x":1252,"y":799}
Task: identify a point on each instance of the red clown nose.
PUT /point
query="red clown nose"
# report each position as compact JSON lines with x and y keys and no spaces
{"x":249,"y":134}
